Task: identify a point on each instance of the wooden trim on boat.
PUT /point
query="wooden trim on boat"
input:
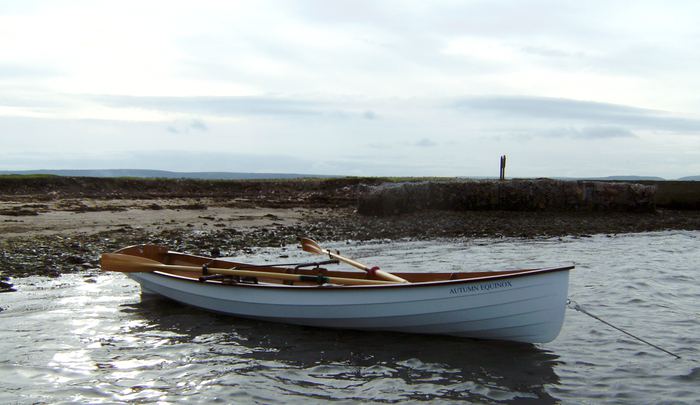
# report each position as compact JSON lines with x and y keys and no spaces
{"x":165,"y":256}
{"x":311,"y":287}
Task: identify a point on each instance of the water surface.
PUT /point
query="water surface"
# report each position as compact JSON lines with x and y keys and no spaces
{"x":94,"y":338}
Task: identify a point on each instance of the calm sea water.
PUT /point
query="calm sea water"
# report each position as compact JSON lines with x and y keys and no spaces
{"x":83,"y":338}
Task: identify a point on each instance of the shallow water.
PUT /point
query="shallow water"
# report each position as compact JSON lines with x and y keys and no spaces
{"x":83,"y":338}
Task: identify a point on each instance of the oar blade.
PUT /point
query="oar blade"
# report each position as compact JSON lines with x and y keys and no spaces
{"x":311,"y":246}
{"x":127,"y":263}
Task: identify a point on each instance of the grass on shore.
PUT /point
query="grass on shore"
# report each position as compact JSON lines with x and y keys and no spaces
{"x":19,"y":177}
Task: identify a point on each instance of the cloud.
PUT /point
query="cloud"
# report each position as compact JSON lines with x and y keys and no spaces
{"x":216,"y":105}
{"x":561,"y":109}
{"x":237,"y":106}
{"x":187,"y":127}
{"x":370,"y":115}
{"x":198,"y":124}
{"x":379,"y":145}
{"x":597,"y":132}
{"x":421,"y":143}
{"x":425,"y":143}
{"x":383,"y":80}
{"x":19,"y":71}
{"x":546,"y":107}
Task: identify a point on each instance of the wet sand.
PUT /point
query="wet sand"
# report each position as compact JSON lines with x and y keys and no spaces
{"x":78,"y":216}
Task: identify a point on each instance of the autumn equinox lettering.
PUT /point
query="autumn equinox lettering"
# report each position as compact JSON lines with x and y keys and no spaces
{"x":481,"y":287}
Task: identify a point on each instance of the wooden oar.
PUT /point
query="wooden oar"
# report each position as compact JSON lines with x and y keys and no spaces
{"x":136,"y":264}
{"x":311,"y":246}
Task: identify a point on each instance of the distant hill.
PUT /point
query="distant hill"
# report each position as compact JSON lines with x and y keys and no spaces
{"x":626,"y":178}
{"x":166,"y":174}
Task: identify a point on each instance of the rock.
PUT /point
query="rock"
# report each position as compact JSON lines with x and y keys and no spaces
{"x":513,"y":195}
{"x":18,"y":212}
{"x":6,"y":287}
{"x":71,"y":259}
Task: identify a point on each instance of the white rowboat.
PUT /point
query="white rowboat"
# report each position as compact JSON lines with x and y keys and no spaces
{"x":518,"y":305}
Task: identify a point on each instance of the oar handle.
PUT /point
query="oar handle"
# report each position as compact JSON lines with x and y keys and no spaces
{"x":371,"y":270}
{"x":310,"y":245}
{"x":388,"y":276}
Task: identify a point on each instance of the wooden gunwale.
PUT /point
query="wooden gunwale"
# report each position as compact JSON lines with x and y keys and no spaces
{"x":311,"y":287}
{"x":416,"y":279}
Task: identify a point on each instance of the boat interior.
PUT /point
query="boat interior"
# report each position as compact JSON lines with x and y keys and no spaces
{"x":163,"y":255}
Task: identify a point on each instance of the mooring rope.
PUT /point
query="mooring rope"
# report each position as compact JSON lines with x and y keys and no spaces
{"x":574,"y":305}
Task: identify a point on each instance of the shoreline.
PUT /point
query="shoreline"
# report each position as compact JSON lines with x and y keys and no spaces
{"x":51,"y":225}
{"x":62,"y":239}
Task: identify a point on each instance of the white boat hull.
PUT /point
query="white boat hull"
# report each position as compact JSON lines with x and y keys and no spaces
{"x":526,"y":307}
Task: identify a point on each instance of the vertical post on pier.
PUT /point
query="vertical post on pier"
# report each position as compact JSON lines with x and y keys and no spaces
{"x":502,"y":175}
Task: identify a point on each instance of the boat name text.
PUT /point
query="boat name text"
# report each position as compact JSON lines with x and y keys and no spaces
{"x":481,"y":287}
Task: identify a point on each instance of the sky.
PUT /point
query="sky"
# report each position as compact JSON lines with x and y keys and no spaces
{"x":366,"y":88}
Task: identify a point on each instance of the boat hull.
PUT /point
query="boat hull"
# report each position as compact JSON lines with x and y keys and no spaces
{"x":524,"y":307}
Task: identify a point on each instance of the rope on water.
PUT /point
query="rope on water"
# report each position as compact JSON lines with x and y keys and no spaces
{"x":574,"y":305}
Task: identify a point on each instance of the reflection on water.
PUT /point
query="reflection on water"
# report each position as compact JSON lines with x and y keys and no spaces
{"x":326,"y":364}
{"x":96,"y":339}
